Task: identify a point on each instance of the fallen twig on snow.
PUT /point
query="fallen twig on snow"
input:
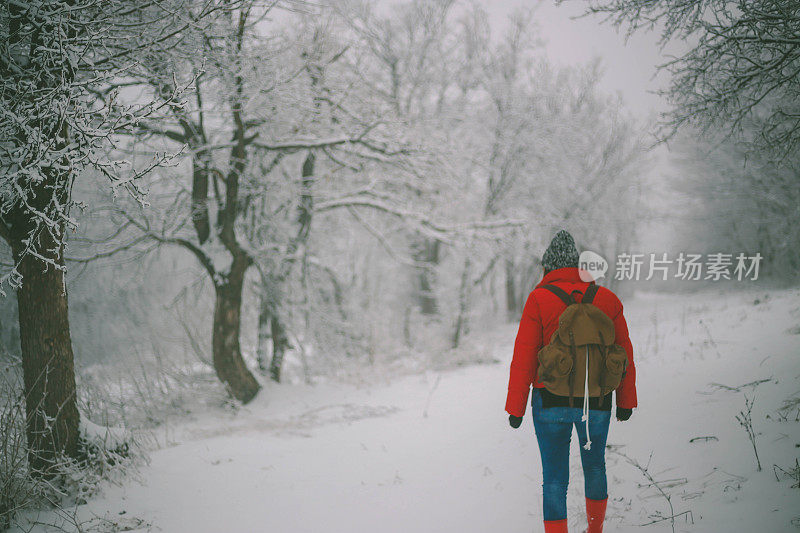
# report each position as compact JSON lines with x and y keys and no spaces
{"x":790,"y":405}
{"x":746,"y":421}
{"x":430,"y":396}
{"x":792,"y":473}
{"x":660,"y":487}
{"x":704,"y":439}
{"x":753,"y":384}
{"x":710,"y":338}
{"x":668,"y":483}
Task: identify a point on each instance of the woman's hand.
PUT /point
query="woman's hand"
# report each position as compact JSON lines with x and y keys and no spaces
{"x":623,"y":414}
{"x":514,"y":421}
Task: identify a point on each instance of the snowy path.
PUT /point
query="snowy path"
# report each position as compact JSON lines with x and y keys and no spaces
{"x":333,"y":458}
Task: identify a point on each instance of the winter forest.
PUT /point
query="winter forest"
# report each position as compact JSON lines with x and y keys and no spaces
{"x":263,"y":262}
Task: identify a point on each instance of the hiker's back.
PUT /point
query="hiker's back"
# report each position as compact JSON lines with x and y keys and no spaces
{"x":581,"y":354}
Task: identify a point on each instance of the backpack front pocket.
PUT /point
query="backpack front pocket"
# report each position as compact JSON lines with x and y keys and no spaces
{"x":555,"y":363}
{"x":615,"y":364}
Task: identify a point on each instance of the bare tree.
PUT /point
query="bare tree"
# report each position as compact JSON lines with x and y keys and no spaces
{"x":217,"y":167}
{"x":414,"y":52}
{"x":553,"y":151}
{"x":738,"y":200}
{"x":744,"y":57}
{"x":266,"y":89}
{"x":516,"y":128}
{"x":55,"y":57}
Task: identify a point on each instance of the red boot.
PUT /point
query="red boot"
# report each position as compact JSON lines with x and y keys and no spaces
{"x":555,"y":526}
{"x":595,"y":513}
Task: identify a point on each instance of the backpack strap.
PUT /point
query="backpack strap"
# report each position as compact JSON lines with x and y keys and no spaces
{"x":561,"y":293}
{"x":588,"y":296}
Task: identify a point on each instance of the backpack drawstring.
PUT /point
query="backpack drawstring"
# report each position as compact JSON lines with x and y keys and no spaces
{"x":585,"y":417}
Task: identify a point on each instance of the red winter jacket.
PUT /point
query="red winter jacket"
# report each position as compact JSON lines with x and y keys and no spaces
{"x":540,"y":321}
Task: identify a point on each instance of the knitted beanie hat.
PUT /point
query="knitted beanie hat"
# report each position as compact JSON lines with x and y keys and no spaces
{"x":561,"y":253}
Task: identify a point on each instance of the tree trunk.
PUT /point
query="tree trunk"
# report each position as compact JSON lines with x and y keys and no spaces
{"x":462,"y":325}
{"x":228,"y":361}
{"x":200,"y":217}
{"x":280,"y":342}
{"x":52,"y":418}
{"x":426,"y":252}
{"x":264,"y":334}
{"x":305,"y":211}
{"x":512,"y":305}
{"x":407,"y":328}
{"x":51,"y":414}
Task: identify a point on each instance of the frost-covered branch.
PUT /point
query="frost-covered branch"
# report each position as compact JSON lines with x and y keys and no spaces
{"x":61,"y":65}
{"x":308,"y":144}
{"x":444,"y":232}
{"x":744,"y":63}
{"x":144,"y":227}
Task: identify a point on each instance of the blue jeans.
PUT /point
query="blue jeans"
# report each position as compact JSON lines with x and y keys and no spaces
{"x":553,"y":427}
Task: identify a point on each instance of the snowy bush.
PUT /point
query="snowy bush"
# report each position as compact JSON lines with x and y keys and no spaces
{"x":106,"y":454}
{"x":17,"y":490}
{"x":147,"y":391}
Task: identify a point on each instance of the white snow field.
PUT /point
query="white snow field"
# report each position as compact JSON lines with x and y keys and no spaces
{"x":334,"y":458}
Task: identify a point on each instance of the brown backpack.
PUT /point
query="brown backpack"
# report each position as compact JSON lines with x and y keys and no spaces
{"x":584,"y":334}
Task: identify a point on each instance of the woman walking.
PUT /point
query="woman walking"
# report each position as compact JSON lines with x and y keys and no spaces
{"x":559,"y":401}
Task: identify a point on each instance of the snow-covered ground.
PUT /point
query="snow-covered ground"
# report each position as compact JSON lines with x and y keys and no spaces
{"x":433,"y":452}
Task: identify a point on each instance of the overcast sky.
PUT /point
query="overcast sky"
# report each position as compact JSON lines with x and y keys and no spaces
{"x":629,"y":68}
